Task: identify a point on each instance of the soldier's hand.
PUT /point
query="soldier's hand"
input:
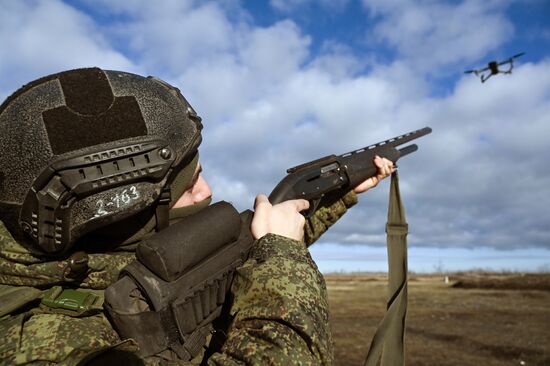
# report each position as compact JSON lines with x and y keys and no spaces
{"x":385,"y":168}
{"x":282,"y":219}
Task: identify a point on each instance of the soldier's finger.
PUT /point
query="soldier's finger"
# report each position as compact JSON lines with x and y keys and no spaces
{"x":386,"y":170}
{"x":378,"y":161}
{"x":300,"y":204}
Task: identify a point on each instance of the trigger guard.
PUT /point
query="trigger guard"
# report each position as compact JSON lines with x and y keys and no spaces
{"x":313,"y":205}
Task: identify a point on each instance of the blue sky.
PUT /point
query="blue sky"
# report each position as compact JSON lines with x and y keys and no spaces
{"x":282,"y":82}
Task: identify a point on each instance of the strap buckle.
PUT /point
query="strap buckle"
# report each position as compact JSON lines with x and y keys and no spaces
{"x":71,"y":302}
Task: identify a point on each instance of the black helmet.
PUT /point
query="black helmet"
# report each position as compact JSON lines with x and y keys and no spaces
{"x":86,"y":148}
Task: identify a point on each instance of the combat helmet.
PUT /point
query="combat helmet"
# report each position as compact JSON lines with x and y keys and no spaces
{"x":89,"y":148}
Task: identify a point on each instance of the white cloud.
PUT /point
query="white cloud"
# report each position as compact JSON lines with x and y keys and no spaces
{"x":236,"y":192}
{"x":274,"y":52}
{"x":293,"y":5}
{"x":177,"y":37}
{"x":259,"y":62}
{"x":369,"y":239}
{"x":433,"y":33}
{"x":42,"y":37}
{"x":338,"y":61}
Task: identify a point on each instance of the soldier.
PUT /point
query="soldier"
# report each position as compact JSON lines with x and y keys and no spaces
{"x":92,"y":162}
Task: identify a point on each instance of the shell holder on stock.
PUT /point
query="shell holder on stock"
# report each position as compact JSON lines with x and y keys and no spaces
{"x":182,"y":276}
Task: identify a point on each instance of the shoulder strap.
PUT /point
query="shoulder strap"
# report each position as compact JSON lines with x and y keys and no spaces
{"x":388,"y":340}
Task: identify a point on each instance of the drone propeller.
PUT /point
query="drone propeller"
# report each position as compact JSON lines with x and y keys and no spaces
{"x":511,"y":59}
{"x":518,"y":55}
{"x":476,"y":71}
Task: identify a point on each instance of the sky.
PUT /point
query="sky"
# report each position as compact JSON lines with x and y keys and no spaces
{"x":283,"y":82}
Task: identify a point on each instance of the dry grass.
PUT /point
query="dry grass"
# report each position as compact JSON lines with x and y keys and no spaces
{"x":476,"y":319}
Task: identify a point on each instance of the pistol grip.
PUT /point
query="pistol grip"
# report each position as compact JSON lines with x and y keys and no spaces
{"x":313,"y":205}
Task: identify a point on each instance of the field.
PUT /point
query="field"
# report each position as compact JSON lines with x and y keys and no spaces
{"x":473,"y":319}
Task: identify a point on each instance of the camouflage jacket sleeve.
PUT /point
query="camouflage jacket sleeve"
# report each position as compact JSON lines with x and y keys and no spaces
{"x":280,"y":309}
{"x":326,"y":215}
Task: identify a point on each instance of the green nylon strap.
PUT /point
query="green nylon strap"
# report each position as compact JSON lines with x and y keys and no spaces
{"x":388,"y":341}
{"x":14,"y":297}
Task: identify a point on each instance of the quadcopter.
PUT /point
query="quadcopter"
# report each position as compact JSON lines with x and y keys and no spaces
{"x":493,"y":68}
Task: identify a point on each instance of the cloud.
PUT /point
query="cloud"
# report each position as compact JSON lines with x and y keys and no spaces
{"x":42,"y":37}
{"x":261,"y":59}
{"x":170,"y":38}
{"x":433,"y":34}
{"x":293,"y":5}
{"x":337,"y":60}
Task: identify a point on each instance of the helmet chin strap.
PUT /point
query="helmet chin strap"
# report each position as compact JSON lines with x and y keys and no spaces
{"x":170,"y":194}
{"x":168,"y":197}
{"x":165,"y":215}
{"x":161,"y":212}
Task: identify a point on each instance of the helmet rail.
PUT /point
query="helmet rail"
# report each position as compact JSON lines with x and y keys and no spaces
{"x":46,"y":212}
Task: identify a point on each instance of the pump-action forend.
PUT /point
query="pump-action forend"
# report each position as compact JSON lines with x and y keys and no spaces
{"x":313,"y":180}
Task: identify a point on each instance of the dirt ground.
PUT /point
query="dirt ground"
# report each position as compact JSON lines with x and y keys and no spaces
{"x":474,"y":319}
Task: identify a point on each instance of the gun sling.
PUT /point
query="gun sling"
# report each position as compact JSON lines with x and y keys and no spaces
{"x":388,"y":341}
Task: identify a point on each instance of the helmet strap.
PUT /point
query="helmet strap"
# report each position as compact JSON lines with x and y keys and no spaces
{"x":163,"y":208}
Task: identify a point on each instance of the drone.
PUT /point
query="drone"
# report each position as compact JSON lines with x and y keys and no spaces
{"x":493,"y":68}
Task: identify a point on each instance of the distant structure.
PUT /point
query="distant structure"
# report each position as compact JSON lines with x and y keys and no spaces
{"x":493,"y":68}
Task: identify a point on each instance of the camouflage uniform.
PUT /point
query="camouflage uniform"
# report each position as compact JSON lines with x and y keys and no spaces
{"x":280,"y":311}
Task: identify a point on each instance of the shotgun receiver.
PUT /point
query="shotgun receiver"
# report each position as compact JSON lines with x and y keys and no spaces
{"x":313,"y":180}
